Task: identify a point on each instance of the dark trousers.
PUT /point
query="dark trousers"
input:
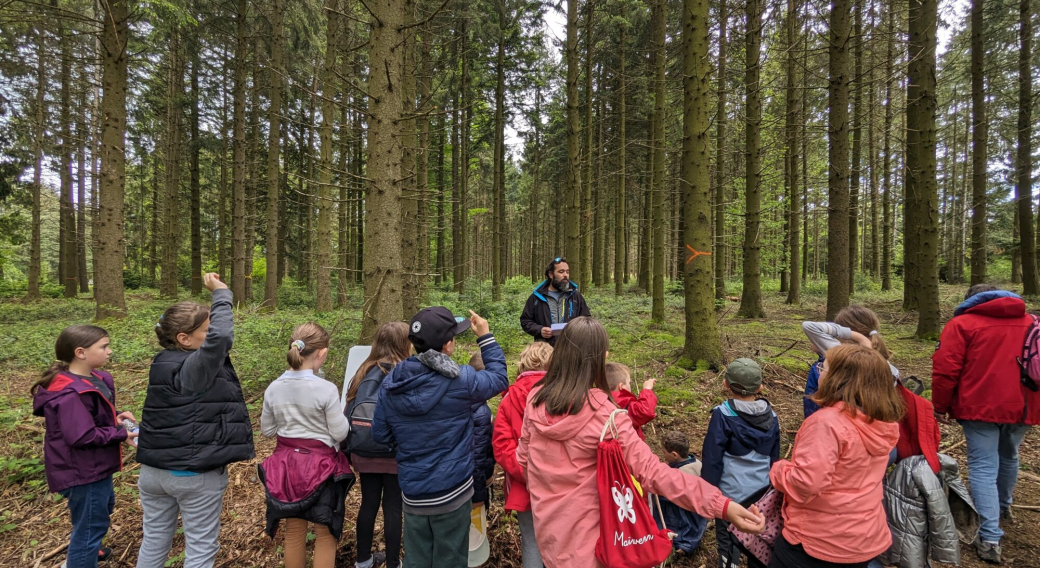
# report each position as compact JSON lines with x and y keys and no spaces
{"x":90,"y":507}
{"x":437,"y":540}
{"x":376,"y":489}
{"x":787,"y":555}
{"x":728,"y":549}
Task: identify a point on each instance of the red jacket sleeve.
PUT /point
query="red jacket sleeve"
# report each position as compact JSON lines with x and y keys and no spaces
{"x":643,"y":408}
{"x":505,"y":436}
{"x":947,"y":364}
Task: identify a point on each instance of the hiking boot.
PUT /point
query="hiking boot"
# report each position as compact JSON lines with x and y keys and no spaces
{"x":1005,"y":514}
{"x":988,"y":551}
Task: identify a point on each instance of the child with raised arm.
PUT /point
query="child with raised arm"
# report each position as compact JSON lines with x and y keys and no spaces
{"x":641,"y":409}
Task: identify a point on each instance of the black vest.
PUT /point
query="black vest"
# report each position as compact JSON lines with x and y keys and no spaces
{"x":188,"y":431}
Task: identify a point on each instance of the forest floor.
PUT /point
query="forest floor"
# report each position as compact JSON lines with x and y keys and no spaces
{"x":34,"y":524}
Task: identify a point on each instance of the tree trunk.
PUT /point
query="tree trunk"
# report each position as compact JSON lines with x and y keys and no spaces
{"x":323,"y":298}
{"x":238,"y":169}
{"x":40,"y":131}
{"x":1024,"y":186}
{"x":855,"y":174}
{"x":81,"y":203}
{"x":793,"y":114}
{"x":498,"y":183}
{"x":409,"y":204}
{"x":274,"y":176}
{"x":171,"y":194}
{"x":383,"y":278}
{"x":196,"y":190}
{"x":720,"y":159}
{"x":573,"y":195}
{"x":621,"y":219}
{"x":462,"y":245}
{"x":68,"y":215}
{"x":703,"y":344}
{"x":657,"y":42}
{"x":222,"y":230}
{"x":921,"y":184}
{"x":838,"y":277}
{"x":751,"y":297}
{"x":536,"y":184}
{"x":456,"y":225}
{"x":886,"y":166}
{"x":979,"y":144}
{"x":422,"y":158}
{"x":875,"y":258}
{"x":586,"y":261}
{"x":108,"y":258}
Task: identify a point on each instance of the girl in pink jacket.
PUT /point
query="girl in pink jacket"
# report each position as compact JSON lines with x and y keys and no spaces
{"x":565,"y":415}
{"x":833,"y":513}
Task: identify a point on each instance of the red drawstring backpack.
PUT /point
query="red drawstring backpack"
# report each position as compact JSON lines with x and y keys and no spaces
{"x":628,"y":535}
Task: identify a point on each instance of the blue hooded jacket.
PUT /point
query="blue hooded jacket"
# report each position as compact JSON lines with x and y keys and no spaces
{"x":812,"y":384}
{"x":687,"y":525}
{"x":429,"y":417}
{"x":740,"y":447}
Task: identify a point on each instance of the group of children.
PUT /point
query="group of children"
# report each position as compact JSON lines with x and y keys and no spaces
{"x":400,"y":435}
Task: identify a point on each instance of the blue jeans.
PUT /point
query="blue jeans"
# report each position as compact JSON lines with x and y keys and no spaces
{"x":90,"y":507}
{"x":992,"y":470}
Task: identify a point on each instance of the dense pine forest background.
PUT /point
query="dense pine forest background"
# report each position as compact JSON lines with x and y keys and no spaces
{"x":715,"y":171}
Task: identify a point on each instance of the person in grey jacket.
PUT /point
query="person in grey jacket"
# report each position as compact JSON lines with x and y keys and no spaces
{"x":925,"y":523}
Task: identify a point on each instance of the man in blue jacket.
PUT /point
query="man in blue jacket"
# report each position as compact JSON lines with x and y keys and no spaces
{"x":425,"y":409}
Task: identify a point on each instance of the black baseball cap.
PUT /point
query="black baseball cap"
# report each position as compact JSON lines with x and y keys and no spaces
{"x":433,"y":328}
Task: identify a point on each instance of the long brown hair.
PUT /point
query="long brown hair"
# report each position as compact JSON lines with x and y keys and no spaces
{"x":863,"y":320}
{"x":390,"y":347}
{"x":577,"y":366}
{"x":314,"y":338}
{"x":860,"y":378}
{"x":70,"y":339}
{"x":182,"y":317}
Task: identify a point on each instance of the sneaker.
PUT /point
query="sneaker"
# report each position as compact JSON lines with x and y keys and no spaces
{"x":104,"y":554}
{"x":1006,"y":515}
{"x":378,"y":559}
{"x":988,"y":551}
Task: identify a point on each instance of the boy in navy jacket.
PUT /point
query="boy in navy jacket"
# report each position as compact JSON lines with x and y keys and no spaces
{"x":742,"y":442}
{"x":425,"y":408}
{"x":687,"y":525}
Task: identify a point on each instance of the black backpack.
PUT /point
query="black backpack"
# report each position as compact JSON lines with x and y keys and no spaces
{"x":360,"y":412}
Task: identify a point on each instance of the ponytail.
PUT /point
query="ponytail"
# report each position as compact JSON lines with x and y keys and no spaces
{"x":863,"y":320}
{"x":306,"y":339}
{"x":69,"y":340}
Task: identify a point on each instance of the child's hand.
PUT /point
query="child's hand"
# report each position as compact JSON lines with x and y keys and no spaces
{"x":211,"y":280}
{"x":862,"y":340}
{"x":747,"y":520}
{"x":649,"y":384}
{"x":479,"y":324}
{"x":132,"y":435}
{"x":126,"y":415}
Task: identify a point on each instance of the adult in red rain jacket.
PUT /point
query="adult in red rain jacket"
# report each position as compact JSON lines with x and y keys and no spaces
{"x":976,"y":379}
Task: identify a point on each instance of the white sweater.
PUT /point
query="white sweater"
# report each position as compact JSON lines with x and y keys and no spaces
{"x":300,"y":404}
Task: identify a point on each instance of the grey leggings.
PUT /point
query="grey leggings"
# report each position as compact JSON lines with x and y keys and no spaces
{"x":528,"y":544}
{"x":199,"y":500}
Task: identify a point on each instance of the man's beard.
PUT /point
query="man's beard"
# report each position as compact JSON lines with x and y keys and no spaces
{"x":561,"y":285}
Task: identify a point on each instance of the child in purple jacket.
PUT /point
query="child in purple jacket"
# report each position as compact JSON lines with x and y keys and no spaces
{"x":83,"y":432}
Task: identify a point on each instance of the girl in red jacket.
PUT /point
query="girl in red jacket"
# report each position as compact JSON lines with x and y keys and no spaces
{"x":534,"y":361}
{"x":832,"y":485}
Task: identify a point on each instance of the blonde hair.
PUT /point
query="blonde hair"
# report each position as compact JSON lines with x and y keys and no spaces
{"x":312,"y":337}
{"x":863,"y":320}
{"x":617,"y":374}
{"x":390,"y":346}
{"x":535,"y":357}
